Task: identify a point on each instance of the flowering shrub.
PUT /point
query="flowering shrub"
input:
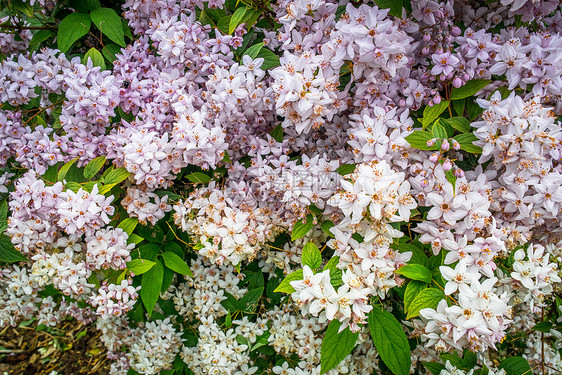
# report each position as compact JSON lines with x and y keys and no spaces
{"x":291,"y":187}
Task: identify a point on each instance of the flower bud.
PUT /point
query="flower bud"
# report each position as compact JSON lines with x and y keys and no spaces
{"x":424,"y":183}
{"x":457,"y":82}
{"x":437,"y":99}
{"x":445,"y":145}
{"x":458,"y":172}
{"x":447,"y":165}
{"x":434,"y":158}
{"x":430,"y":143}
{"x":456,"y":145}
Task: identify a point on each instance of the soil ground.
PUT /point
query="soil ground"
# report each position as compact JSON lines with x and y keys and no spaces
{"x":71,"y":348}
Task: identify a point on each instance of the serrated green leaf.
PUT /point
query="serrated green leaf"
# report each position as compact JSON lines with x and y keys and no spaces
{"x":254,"y":50}
{"x":250,"y":300}
{"x":311,"y":256}
{"x":415,"y":272}
{"x":116,"y":176}
{"x":336,"y":346}
{"x":128,"y":225}
{"x":176,"y":263}
{"x":150,"y":286}
{"x":236,"y":19}
{"x":469,"y":89}
{"x":96,"y":57}
{"x":301,"y":228}
{"x":140,"y":266}
{"x":64,"y":170}
{"x":72,"y":27}
{"x":198,"y":177}
{"x":465,"y":140}
{"x":412,"y":290}
{"x":438,"y":131}
{"x":431,"y":114}
{"x":152,"y":234}
{"x":285,"y":286}
{"x":8,"y":252}
{"x":94,"y":167}
{"x":390,"y":340}
{"x":109,"y":23}
{"x":419,"y":138}
{"x":460,"y":124}
{"x":427,"y":298}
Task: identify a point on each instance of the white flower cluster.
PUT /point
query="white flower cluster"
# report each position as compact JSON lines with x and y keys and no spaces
{"x":150,"y":348}
{"x":372,"y":198}
{"x":114,"y":300}
{"x":108,"y":249}
{"x":201,"y":296}
{"x":146,"y":206}
{"x":227,"y":234}
{"x":533,"y":276}
{"x":306,"y":91}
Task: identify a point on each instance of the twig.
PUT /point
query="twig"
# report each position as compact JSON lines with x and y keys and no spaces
{"x":19,"y":27}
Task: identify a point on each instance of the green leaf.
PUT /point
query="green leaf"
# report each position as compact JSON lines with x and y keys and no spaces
{"x":84,"y":5}
{"x":394,"y":6}
{"x":543,"y":327}
{"x":431,"y":114}
{"x":469,"y":89}
{"x":419,"y":138}
{"x":326,"y":226}
{"x":94,"y":167}
{"x":434,"y":367}
{"x":415,"y":272}
{"x":116,"y":176}
{"x":8,"y":252}
{"x":412,"y":290}
{"x":128,"y":225}
{"x":64,"y":170}
{"x":335,"y":272}
{"x":515,"y":366}
{"x":150,"y":286}
{"x":390,"y":341}
{"x":459,"y":106}
{"x":96,"y":57}
{"x":285,"y":286}
{"x":438,"y":131}
{"x":465,"y":140}
{"x":428,"y":298}
{"x":176,"y":264}
{"x":72,"y":27}
{"x":236,"y":19}
{"x":38,"y":37}
{"x":311,"y":256}
{"x":250,"y":300}
{"x":140,"y":266}
{"x":302,"y":228}
{"x":277,"y":133}
{"x":109,"y":23}
{"x":198,"y":177}
{"x":224,"y":23}
{"x":152,"y":234}
{"x":336,"y":346}
{"x":460,"y":124}
{"x":109,"y":51}
{"x":270,"y":59}
{"x":254,"y":50}
{"x":346,"y":169}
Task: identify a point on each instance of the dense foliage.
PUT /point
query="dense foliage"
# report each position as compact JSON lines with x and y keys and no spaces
{"x":291,"y":187}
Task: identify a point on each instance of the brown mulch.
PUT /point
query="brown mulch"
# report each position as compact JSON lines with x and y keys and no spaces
{"x":70,"y":348}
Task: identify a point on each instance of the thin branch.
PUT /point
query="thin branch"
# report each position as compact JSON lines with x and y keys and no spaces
{"x":19,"y":27}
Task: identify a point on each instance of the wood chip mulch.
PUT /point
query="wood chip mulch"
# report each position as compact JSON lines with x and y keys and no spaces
{"x":68,"y":349}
